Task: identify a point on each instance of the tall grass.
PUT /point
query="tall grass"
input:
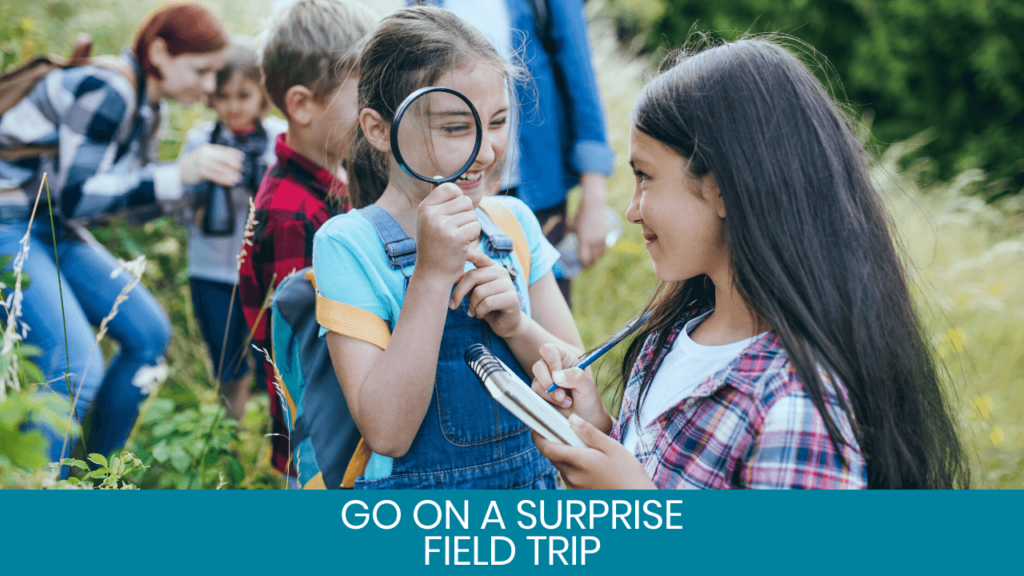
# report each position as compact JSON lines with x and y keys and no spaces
{"x":965,"y":256}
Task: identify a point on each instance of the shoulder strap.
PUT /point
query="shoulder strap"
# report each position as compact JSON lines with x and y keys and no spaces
{"x":508,"y":224}
{"x":401,"y":249}
{"x":348,"y":320}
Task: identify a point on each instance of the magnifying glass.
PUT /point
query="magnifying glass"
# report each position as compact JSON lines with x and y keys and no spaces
{"x":436,"y":131}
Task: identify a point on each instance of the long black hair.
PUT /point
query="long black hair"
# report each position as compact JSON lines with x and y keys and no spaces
{"x":812,"y":250}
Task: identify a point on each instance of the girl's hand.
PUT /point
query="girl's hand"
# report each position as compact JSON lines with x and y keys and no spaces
{"x":577,"y":392}
{"x":446,"y":227}
{"x":211,"y":162}
{"x":604,"y":464}
{"x":492,"y":295}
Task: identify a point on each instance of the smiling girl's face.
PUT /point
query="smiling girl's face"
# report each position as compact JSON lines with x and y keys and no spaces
{"x":437,"y":139}
{"x":682,"y":217}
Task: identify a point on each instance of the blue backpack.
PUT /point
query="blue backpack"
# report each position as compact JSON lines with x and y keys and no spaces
{"x":323,"y":434}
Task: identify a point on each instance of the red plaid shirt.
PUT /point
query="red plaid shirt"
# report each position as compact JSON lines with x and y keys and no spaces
{"x":291,"y":205}
{"x":751,"y":425}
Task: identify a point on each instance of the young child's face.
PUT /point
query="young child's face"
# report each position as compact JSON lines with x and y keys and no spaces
{"x":682,"y":217}
{"x":441,"y":135}
{"x":238,"y":103}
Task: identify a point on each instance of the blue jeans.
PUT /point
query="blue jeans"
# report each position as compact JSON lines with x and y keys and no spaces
{"x":140,"y":327}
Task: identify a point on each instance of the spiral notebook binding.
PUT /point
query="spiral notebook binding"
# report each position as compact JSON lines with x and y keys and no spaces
{"x":482,"y":361}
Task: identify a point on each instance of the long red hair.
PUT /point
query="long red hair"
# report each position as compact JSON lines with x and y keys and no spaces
{"x":184,"y":27}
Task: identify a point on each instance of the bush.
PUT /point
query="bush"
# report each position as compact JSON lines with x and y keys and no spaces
{"x":955,"y":67}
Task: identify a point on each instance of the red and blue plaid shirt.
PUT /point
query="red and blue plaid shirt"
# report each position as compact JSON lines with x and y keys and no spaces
{"x":751,"y":425}
{"x":295,"y":198}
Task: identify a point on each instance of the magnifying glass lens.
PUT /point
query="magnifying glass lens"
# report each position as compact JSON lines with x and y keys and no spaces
{"x":437,"y":135}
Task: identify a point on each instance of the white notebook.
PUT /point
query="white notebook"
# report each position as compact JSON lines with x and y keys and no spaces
{"x":518,"y":398}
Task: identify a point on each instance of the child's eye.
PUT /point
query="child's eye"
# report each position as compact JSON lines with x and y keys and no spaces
{"x":455,"y":128}
{"x":640,"y":175}
{"x":499,"y":123}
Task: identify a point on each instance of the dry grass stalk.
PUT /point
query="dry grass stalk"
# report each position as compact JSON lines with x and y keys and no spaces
{"x":279,"y":388}
{"x":250,"y":225}
{"x":12,"y":304}
{"x":136,"y":268}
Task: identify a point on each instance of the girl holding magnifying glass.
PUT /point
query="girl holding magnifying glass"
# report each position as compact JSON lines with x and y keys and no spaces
{"x":412,"y":307}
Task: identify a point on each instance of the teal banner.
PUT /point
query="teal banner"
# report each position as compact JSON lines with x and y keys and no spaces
{"x":289,"y":533}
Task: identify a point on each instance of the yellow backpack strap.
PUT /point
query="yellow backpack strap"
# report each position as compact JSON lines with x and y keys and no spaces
{"x":357,"y":465}
{"x":506,"y":220}
{"x":350,"y":321}
{"x":315,"y":483}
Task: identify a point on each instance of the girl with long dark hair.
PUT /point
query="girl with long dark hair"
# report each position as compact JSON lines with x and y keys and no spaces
{"x":782,"y":349}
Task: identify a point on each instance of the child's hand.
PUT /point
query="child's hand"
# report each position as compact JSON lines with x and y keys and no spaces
{"x":211,"y":162}
{"x":605,"y":464}
{"x":446,"y":227}
{"x":492,"y":295}
{"x":577,"y":392}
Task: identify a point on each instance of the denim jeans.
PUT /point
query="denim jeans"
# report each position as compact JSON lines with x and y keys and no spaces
{"x":140,"y":328}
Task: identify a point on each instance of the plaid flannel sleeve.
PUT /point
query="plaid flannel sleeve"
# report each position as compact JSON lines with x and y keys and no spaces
{"x":793,"y":450}
{"x":91,"y":179}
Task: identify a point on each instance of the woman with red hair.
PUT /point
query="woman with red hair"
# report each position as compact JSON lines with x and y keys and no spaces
{"x":103,"y":122}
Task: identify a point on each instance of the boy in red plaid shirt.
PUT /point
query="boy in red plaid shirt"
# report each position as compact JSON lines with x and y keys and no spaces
{"x":310,"y":52}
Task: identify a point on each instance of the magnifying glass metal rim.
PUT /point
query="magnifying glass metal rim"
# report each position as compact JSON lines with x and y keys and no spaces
{"x":398,"y":120}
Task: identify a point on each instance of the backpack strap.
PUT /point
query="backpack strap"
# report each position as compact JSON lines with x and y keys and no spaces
{"x":507,"y":222}
{"x":349,"y":320}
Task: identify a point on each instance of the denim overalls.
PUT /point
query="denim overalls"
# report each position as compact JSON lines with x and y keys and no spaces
{"x":466,"y":440}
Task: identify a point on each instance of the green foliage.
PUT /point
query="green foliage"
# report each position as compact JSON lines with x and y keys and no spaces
{"x":107,"y":473}
{"x":23,"y":450}
{"x":187,"y":447}
{"x":953,"y":66}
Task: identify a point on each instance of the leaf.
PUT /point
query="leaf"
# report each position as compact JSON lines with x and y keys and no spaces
{"x":98,"y":459}
{"x":161,"y":452}
{"x":237,"y":470}
{"x":164,"y":429}
{"x":98,"y":473}
{"x":8,"y":277}
{"x":180,"y":459}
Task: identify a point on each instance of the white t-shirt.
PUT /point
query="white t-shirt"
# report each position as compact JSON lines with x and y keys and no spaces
{"x":685,"y":366}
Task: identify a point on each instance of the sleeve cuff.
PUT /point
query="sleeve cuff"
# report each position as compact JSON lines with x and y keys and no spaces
{"x":590,"y":156}
{"x":167,"y":182}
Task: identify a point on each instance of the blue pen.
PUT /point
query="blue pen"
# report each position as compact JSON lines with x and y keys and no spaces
{"x":618,"y":337}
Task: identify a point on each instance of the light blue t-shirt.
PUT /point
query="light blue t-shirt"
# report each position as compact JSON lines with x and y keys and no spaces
{"x":352,"y":267}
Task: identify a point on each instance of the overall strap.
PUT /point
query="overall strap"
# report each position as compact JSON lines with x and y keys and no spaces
{"x":401,"y":249}
{"x":506,"y":220}
{"x":499,"y":241}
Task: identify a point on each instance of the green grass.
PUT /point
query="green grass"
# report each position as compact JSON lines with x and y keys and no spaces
{"x":966,"y":267}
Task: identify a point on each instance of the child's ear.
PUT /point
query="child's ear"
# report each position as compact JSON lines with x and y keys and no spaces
{"x":298,"y":103}
{"x":709,"y":190}
{"x":375,"y":129}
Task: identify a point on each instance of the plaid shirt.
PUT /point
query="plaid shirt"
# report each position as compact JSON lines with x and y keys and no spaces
{"x":106,"y":132}
{"x":291,"y":205}
{"x":751,"y":425}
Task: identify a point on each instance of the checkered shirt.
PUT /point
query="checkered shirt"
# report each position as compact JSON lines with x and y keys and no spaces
{"x":106,"y":133}
{"x":751,"y":425}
